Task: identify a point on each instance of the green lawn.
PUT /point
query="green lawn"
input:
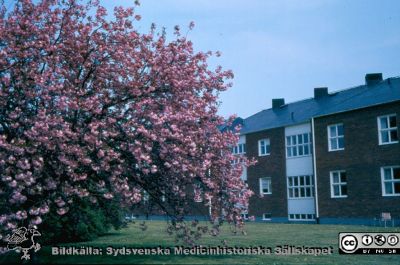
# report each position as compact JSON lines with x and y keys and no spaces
{"x":258,"y":234}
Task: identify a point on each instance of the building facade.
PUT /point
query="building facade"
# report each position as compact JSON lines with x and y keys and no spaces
{"x":334,"y":158}
{"x":360,"y":188}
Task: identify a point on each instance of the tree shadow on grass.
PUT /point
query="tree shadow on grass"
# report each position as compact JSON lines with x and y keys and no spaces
{"x":112,"y":234}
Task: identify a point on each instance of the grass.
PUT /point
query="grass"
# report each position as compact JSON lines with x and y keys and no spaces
{"x":258,"y":234}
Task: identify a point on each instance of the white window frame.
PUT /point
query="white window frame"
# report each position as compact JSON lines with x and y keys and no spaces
{"x":392,"y":180}
{"x":336,"y":138}
{"x":267,"y":143}
{"x":236,"y":149}
{"x":269,"y":186}
{"x":299,"y":217}
{"x":340,"y":184}
{"x":245,"y":215}
{"x":266,"y":218}
{"x":389,"y":129}
{"x":298,"y":146}
{"x":300,"y":187}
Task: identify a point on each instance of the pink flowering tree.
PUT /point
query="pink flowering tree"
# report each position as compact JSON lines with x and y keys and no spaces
{"x":91,"y":108}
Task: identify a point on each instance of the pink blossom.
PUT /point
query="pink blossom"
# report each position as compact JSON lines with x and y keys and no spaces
{"x":154,"y":169}
{"x":36,"y":221}
{"x":11,"y":226}
{"x":100,"y":154}
{"x":108,"y":110}
{"x":21,"y":215}
{"x":44,"y":209}
{"x":3,"y":218}
{"x":13,"y":184}
{"x":60,"y":203}
{"x":34,"y":211}
{"x":108,"y":195}
{"x":62,"y":211}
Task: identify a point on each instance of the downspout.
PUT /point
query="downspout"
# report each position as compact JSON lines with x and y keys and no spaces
{"x":315,"y":172}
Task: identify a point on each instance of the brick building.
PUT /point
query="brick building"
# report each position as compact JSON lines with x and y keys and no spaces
{"x":333,"y":158}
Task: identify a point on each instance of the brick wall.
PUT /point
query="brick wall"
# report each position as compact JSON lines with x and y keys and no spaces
{"x":362,"y":159}
{"x":272,"y":166}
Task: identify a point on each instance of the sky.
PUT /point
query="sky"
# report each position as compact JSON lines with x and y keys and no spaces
{"x":284,"y":48}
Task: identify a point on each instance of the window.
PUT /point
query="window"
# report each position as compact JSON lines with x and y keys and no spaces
{"x":239,"y":149}
{"x":387,"y":127}
{"x":300,"y":186}
{"x":237,"y":160}
{"x":302,"y":216}
{"x":263,"y":147}
{"x":244,"y":215}
{"x":390,"y":181}
{"x":336,"y":137}
{"x":299,"y":145}
{"x":338,"y":184}
{"x":266,"y":216}
{"x":265,"y":186}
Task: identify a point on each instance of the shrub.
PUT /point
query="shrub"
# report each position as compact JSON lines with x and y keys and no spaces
{"x":84,"y":222}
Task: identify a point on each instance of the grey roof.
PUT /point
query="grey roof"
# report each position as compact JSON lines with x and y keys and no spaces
{"x":358,"y":97}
